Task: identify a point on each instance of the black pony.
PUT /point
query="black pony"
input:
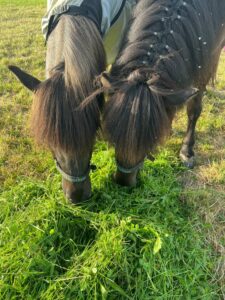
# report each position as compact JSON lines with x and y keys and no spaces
{"x":168,"y":56}
{"x":75,"y":56}
{"x":80,"y":34}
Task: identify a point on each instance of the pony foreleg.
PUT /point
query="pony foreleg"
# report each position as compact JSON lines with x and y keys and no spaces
{"x":194,"y":109}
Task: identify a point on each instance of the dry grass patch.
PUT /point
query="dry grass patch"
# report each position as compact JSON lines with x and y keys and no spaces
{"x":204,"y":187}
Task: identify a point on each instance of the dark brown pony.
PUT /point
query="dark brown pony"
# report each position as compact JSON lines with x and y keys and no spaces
{"x":75,"y":56}
{"x":169,"y":54}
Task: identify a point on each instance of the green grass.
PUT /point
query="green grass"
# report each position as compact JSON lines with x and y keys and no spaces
{"x":162,"y":240}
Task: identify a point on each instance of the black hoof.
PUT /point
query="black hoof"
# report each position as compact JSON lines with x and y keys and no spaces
{"x":189,"y":162}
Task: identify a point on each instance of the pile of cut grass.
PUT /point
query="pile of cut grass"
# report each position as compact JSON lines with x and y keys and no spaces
{"x":135,"y":244}
{"x":153,"y":242}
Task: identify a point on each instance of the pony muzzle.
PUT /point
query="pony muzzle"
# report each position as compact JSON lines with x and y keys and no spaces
{"x":75,"y":188}
{"x":77,"y":192}
{"x":127,"y":176}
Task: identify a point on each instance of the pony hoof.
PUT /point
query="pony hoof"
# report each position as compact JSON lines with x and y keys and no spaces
{"x":188,"y":162}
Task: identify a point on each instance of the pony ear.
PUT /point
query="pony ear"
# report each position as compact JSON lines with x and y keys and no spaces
{"x":106,"y":80}
{"x":182,"y":96}
{"x":26,"y":79}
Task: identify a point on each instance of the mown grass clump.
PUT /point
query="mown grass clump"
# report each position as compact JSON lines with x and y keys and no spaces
{"x":162,"y":240}
{"x":124,"y":243}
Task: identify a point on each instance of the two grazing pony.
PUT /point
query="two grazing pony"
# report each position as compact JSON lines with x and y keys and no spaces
{"x":167,"y":57}
{"x":75,"y":57}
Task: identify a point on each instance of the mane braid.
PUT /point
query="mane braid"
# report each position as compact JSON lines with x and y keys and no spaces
{"x":174,"y":29}
{"x":177,"y":42}
{"x":56,"y":119}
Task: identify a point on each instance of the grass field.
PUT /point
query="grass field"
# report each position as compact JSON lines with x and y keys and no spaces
{"x":163,"y":240}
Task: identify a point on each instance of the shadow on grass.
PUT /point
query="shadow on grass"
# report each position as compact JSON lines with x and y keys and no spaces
{"x":65,"y":238}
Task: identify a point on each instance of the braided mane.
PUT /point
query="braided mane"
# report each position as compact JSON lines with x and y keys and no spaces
{"x":174,"y":41}
{"x":175,"y":38}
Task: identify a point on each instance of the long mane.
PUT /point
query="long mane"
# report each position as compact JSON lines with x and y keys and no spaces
{"x":189,"y":33}
{"x":179,"y":43}
{"x":56,"y":118}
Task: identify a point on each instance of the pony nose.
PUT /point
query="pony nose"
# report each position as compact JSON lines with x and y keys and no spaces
{"x":76,"y":196}
{"x":77,"y":193}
